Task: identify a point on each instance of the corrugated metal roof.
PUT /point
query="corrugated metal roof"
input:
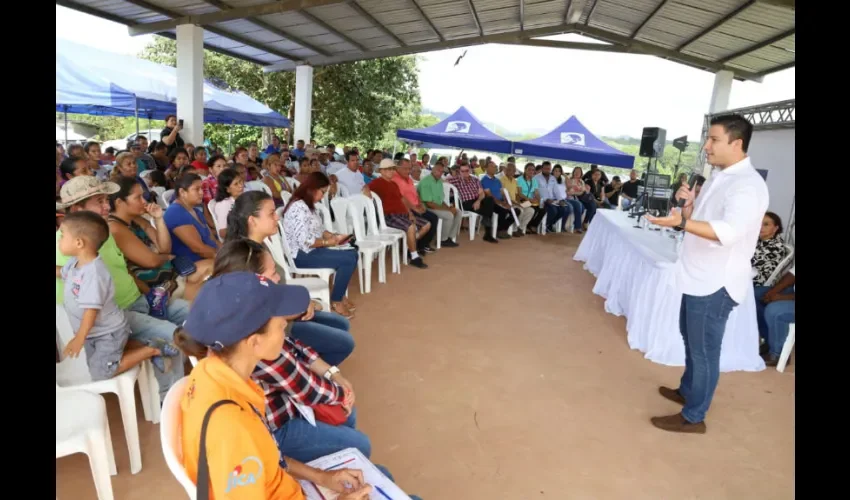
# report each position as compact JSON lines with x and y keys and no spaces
{"x":750,"y":37}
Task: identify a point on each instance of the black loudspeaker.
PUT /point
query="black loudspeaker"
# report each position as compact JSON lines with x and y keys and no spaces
{"x":652,"y":142}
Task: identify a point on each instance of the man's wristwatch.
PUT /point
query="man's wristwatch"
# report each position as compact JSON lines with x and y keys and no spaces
{"x":331,"y":372}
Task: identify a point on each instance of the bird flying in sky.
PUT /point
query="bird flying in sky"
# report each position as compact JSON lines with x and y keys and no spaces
{"x":459,"y":58}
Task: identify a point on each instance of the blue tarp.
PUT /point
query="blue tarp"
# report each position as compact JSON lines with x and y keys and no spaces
{"x":460,"y":130}
{"x":572,"y":141}
{"x":96,"y":82}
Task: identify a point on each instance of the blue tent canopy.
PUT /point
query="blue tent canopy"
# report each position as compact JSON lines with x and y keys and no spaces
{"x":96,"y":82}
{"x":572,"y":141}
{"x":460,"y":130}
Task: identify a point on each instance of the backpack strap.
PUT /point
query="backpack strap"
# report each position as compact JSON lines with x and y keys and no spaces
{"x":203,"y":481}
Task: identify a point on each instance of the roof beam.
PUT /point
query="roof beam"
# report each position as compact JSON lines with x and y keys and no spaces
{"x":219,"y":50}
{"x":268,"y":27}
{"x":760,"y":45}
{"x":427,"y":47}
{"x":330,"y":29}
{"x":561,"y":44}
{"x":222,"y":33}
{"x":428,"y":20}
{"x":357,"y":8}
{"x":779,"y":68}
{"x":475,"y":16}
{"x":589,"y":14}
{"x":567,"y":11}
{"x":648,"y":18}
{"x":716,"y":24}
{"x":222,"y":16}
{"x":655,"y":50}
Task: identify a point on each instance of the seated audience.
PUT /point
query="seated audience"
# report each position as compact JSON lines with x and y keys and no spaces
{"x":595,"y":168}
{"x":398,"y":215}
{"x":199,"y":161}
{"x":547,"y":187}
{"x":629,"y":192}
{"x":230,"y":186}
{"x":611,"y":193}
{"x":89,"y":298}
{"x":209,"y":186}
{"x":529,"y":193}
{"x":92,"y":153}
{"x":492,"y":187}
{"x":770,"y":248}
{"x":775,"y":313}
{"x":431,"y":193}
{"x":191,"y":237}
{"x":351,"y":178}
{"x":74,"y":167}
{"x":131,"y":296}
{"x":275,"y":180}
{"x":578,"y":190}
{"x":411,"y":200}
{"x":525,"y":212}
{"x":147,"y":247}
{"x":125,"y":166}
{"x":309,"y":244}
{"x":473,"y":199}
{"x":563,"y":199}
{"x":178,"y":159}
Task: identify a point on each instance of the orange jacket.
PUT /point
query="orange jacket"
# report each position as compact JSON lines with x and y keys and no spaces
{"x":242,"y":454}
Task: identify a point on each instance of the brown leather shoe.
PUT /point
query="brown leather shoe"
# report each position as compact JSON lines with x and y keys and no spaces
{"x":677,"y":423}
{"x":672,"y":394}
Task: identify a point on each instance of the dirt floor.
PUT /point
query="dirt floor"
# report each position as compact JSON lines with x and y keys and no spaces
{"x":497,"y":374}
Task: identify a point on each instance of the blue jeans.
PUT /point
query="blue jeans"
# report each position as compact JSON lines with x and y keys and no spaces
{"x":578,"y":210}
{"x":328,"y":334}
{"x":555,"y":213}
{"x":774,"y":319}
{"x":144,"y":328}
{"x":702,"y":321}
{"x":299,"y":440}
{"x":627,"y":203}
{"x":344,"y":262}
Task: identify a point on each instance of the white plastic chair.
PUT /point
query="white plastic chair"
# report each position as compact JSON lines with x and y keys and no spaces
{"x":257,"y":186}
{"x":165,"y":199}
{"x":285,"y":196}
{"x":450,"y":190}
{"x":325,"y":214}
{"x":319,"y":288}
{"x":73,"y":373}
{"x":171,"y":435}
{"x":786,"y":348}
{"x":211,"y":207}
{"x":782,"y":266}
{"x":82,"y":426}
{"x":324,"y":273}
{"x":370,"y":223}
{"x":373,"y":228}
{"x":367,"y":250}
{"x":293,"y":182}
{"x":386,"y":230}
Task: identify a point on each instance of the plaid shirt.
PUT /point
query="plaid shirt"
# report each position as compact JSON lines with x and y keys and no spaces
{"x":288,"y":380}
{"x":209,"y":186}
{"x":468,"y":188}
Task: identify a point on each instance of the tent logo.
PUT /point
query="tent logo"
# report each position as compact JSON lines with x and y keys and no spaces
{"x":458,"y":127}
{"x":573,"y":138}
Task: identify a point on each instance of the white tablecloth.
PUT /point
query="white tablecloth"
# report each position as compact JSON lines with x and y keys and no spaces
{"x":634,"y":270}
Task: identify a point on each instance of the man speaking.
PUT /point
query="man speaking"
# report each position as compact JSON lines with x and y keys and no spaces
{"x":713,"y":271}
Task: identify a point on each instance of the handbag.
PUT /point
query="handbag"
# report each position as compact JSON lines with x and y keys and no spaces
{"x":330,"y":414}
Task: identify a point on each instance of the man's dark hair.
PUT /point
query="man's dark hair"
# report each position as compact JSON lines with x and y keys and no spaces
{"x":88,"y":225}
{"x":546,"y":163}
{"x":68,"y":166}
{"x":331,"y":146}
{"x":351,"y":152}
{"x":398,"y":156}
{"x":169,"y":117}
{"x":110,"y":150}
{"x":615,"y":178}
{"x":737,"y":127}
{"x":593,"y":166}
{"x":90,"y":145}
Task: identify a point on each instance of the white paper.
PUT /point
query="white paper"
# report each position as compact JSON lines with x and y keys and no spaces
{"x":306,"y":412}
{"x":351,"y":458}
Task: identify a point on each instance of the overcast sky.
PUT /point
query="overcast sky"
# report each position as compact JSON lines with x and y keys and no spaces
{"x":534,"y":89}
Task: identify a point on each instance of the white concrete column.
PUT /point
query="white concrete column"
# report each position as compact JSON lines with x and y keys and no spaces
{"x":303,"y":103}
{"x":719,"y":102}
{"x":720,"y":93}
{"x":190,"y":82}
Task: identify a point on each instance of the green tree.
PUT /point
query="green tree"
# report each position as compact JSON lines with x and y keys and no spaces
{"x":353,"y":103}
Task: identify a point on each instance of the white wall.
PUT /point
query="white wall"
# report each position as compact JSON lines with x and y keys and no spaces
{"x":773,"y":150}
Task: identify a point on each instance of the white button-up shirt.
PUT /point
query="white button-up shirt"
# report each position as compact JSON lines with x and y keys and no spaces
{"x":353,"y":181}
{"x":733,"y":201}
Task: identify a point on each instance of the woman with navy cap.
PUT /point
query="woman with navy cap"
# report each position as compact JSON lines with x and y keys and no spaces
{"x":228,"y":450}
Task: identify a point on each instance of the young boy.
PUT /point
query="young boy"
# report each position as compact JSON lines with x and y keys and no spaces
{"x":99,"y":324}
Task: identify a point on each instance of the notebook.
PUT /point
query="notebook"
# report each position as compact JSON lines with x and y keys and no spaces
{"x":351,"y":458}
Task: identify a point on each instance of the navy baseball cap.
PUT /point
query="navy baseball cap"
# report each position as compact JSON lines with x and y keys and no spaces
{"x":233,"y":306}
